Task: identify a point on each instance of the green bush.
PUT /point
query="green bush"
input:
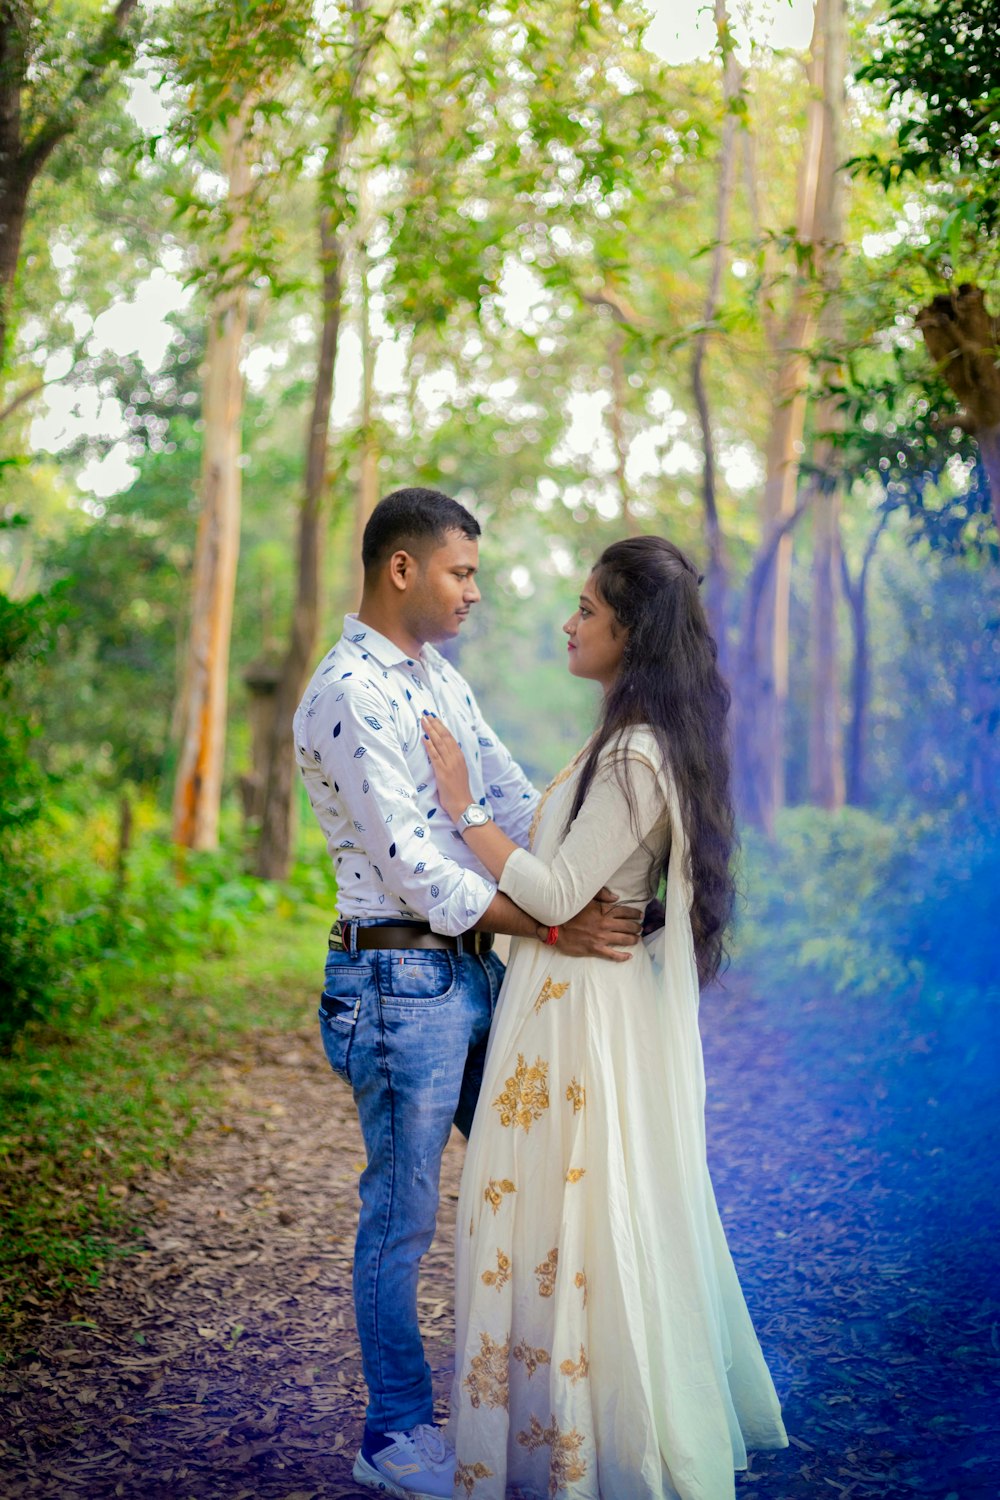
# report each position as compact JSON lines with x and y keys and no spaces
{"x":75,"y":911}
{"x":159,"y":905}
{"x":844,"y":903}
{"x":25,"y":947}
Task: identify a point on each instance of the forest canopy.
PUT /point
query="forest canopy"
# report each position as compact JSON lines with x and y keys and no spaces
{"x":261,"y":263}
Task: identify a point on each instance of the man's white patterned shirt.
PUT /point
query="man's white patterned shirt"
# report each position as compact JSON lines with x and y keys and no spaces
{"x":360,"y":746}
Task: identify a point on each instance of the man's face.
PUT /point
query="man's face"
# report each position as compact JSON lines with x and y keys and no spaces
{"x":443,"y":589}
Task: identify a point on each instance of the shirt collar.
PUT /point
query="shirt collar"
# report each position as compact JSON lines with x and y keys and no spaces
{"x":384,"y":651}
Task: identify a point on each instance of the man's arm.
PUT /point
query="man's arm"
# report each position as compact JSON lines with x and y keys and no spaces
{"x":601,"y":930}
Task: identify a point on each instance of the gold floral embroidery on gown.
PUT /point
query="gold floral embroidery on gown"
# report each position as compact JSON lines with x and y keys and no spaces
{"x":576,"y":1369}
{"x":546,"y":1274}
{"x":530,"y":1358}
{"x":487,"y":1380}
{"x":576,"y":1095}
{"x":550,"y":990}
{"x":565,"y":1463}
{"x":501,"y":1275}
{"x":467,"y":1476}
{"x":525,"y":1096}
{"x":494,"y":1191}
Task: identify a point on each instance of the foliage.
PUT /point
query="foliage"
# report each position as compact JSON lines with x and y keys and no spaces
{"x":25,"y":922}
{"x":934,"y":66}
{"x":938,"y":65}
{"x":154,"y":904}
{"x":86,"y":1107}
{"x":487,"y":153}
{"x":902,"y":438}
{"x":120,"y":572}
{"x":848,"y":904}
{"x":936,"y":701}
{"x":94,"y":892}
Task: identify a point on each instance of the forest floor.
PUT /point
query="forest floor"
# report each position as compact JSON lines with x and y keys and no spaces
{"x":852,"y":1148}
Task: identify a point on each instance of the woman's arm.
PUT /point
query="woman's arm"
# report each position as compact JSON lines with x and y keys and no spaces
{"x":489,"y":844}
{"x":603,"y":834}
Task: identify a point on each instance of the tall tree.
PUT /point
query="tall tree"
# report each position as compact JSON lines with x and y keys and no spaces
{"x":856,"y":594}
{"x":49,"y":83}
{"x":943,"y":55}
{"x":963,"y":340}
{"x":733,"y":109}
{"x":763,"y":687}
{"x":204,"y":692}
{"x":235,"y":74}
{"x":826,"y":760}
{"x":340,"y":97}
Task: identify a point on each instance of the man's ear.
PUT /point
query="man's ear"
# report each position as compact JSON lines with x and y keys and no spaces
{"x":401,"y":570}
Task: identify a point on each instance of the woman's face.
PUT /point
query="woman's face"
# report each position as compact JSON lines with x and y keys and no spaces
{"x":596,"y":640}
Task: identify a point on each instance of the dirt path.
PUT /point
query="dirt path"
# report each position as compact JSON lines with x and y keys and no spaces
{"x":853,"y":1156}
{"x":220,"y":1361}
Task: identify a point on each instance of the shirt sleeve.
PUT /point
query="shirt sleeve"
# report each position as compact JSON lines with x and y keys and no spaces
{"x":600,"y":839}
{"x":512,"y":797}
{"x":357,"y":743}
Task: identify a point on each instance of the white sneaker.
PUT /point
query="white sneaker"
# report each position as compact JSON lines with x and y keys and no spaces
{"x":417,"y":1465}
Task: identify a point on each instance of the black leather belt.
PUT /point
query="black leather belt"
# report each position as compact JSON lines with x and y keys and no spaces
{"x":406,"y":935}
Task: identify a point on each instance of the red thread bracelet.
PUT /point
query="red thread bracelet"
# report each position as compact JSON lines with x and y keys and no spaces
{"x":553,"y":937}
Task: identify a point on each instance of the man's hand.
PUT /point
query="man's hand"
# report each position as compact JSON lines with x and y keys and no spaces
{"x":601,"y":930}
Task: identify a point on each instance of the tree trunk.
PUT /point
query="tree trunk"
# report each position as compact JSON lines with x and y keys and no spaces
{"x":277,"y":817}
{"x":856,"y":594}
{"x":274,"y":847}
{"x":13,"y":209}
{"x":198,"y":787}
{"x":988,"y":439}
{"x":715,"y":571}
{"x":762,"y":683}
{"x":826,"y":740}
{"x":763,"y":691}
{"x":616,"y":421}
{"x":858,"y":730}
{"x":752,"y":748}
{"x":367,"y":493}
{"x":964,"y":342}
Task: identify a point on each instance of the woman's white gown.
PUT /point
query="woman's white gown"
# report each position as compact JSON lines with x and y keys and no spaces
{"x":604,"y":1348}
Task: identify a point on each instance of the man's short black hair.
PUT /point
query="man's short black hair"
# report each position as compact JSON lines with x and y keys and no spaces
{"x":409,"y":520}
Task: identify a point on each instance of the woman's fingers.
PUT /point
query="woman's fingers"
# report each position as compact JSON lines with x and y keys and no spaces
{"x":445,"y":755}
{"x":437,"y":732}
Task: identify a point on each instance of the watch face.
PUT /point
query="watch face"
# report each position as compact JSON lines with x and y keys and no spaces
{"x":475,"y":817}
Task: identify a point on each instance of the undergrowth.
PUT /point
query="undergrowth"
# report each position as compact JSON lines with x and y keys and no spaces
{"x":155,"y":978}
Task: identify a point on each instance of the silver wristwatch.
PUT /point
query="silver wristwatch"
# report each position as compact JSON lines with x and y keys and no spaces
{"x":474,"y":817}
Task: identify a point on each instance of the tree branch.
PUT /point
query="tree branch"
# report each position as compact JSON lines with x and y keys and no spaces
{"x":765,"y":561}
{"x":21,"y":397}
{"x":93,"y":82}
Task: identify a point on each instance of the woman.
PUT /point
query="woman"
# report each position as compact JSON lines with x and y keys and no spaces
{"x":604,"y":1349}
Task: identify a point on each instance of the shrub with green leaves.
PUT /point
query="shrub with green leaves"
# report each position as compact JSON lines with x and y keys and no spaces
{"x":846,"y":904}
{"x":25,"y":954}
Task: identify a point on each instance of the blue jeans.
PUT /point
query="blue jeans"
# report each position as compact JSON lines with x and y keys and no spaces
{"x":407,"y":1028}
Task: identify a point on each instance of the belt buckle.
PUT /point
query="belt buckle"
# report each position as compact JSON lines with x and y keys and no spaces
{"x":335,"y":942}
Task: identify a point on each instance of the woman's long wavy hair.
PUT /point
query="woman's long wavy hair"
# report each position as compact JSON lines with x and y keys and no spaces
{"x":669,"y":679}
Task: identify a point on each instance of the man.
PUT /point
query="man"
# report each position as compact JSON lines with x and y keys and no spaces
{"x":411,"y":976}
